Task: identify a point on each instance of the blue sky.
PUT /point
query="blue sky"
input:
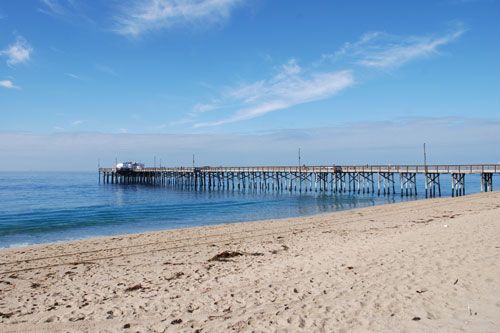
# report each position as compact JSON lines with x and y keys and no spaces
{"x":248,"y":82}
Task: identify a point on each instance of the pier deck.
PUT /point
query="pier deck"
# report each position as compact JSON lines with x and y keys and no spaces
{"x":335,"y":178}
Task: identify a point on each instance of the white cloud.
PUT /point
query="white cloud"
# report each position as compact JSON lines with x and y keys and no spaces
{"x":77,"y":122}
{"x":288,"y":88}
{"x":150,"y":15}
{"x":398,"y":54}
{"x":382,"y":50}
{"x":200,"y":108}
{"x":52,"y":7}
{"x":106,"y":69}
{"x":17,"y":53}
{"x":290,"y":68}
{"x":69,"y":10}
{"x":73,"y":76}
{"x":197,"y":109}
{"x":8,"y":84}
{"x":294,"y":85}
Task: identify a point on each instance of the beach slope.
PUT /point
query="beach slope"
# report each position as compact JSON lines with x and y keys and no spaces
{"x":427,"y":265}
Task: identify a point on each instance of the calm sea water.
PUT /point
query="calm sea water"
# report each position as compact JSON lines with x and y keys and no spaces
{"x":46,"y":207}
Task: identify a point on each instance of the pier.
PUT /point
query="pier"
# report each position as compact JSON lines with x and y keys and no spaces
{"x":375,"y":179}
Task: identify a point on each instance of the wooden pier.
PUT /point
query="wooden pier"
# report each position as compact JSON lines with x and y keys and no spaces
{"x":379,"y":179}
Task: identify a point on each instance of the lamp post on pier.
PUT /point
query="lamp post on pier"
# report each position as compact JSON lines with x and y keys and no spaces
{"x":425,"y":160}
{"x":299,"y":159}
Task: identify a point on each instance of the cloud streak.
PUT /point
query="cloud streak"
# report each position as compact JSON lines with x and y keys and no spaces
{"x":68,"y":10}
{"x":52,"y":7}
{"x":8,"y":84}
{"x":145,"y":16}
{"x":291,"y":86}
{"x":18,"y":52}
{"x":197,"y":110}
{"x":382,"y":50}
{"x":106,"y":69}
{"x":73,"y":76}
{"x":294,"y":85}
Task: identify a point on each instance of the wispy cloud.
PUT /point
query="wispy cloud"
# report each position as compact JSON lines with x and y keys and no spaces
{"x":8,"y":84}
{"x":18,"y":52}
{"x":77,"y":122}
{"x":290,"y":86}
{"x":397,"y":55}
{"x":383,"y":50}
{"x":294,"y":85}
{"x":106,"y":69}
{"x":52,"y":7}
{"x":68,"y":10}
{"x":144,"y":16}
{"x":200,"y":108}
{"x":197,"y":109}
{"x":73,"y":76}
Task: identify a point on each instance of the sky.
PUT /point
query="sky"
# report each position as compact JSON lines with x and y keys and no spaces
{"x":248,"y":82}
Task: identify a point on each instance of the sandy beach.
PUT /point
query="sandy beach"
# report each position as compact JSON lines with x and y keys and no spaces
{"x":427,"y":265}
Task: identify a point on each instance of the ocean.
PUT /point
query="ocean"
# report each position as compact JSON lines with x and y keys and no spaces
{"x":48,"y":207}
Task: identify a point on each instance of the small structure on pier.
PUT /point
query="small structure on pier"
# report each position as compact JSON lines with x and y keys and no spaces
{"x":129,"y":166}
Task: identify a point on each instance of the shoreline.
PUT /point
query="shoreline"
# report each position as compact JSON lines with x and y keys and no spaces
{"x":22,"y":245}
{"x":372,"y":268}
{"x":47,"y":214}
{"x":101,"y":214}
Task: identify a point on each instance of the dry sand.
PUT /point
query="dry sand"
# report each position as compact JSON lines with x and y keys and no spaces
{"x":427,"y":265}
